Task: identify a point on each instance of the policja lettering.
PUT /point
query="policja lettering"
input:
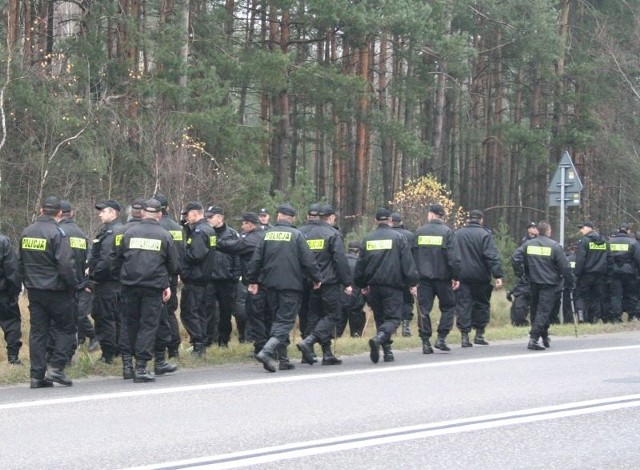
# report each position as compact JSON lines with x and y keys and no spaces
{"x":619,"y":247}
{"x":429,"y":240}
{"x":379,"y":245}
{"x":144,"y":244}
{"x":38,"y":244}
{"x":79,"y":243}
{"x":539,"y":250}
{"x":316,"y":244}
{"x":278,"y":236}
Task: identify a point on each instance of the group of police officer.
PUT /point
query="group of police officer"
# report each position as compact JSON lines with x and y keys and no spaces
{"x":131,"y":273}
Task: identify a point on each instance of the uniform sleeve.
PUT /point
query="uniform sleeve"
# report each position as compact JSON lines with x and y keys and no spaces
{"x":581,"y":256}
{"x":453,"y":259}
{"x":517,"y":261}
{"x":11,"y":269}
{"x":408,"y":264}
{"x":358,"y":271}
{"x":196,"y":251}
{"x":307,"y":260}
{"x":493,"y":258}
{"x":173,"y":258}
{"x":65,"y":261}
{"x":255,"y":265}
{"x":341,"y":263}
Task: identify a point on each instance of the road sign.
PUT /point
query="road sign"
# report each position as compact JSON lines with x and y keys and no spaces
{"x":570,"y":199}
{"x":572,"y":183}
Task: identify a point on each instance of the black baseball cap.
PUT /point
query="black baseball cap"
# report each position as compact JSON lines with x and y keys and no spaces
{"x":65,"y":207}
{"x":383,"y":214}
{"x":162,"y":199}
{"x":262,"y":211}
{"x":192,"y":206}
{"x":327,"y":210}
{"x":286,"y":209}
{"x":476,"y":214}
{"x":532,"y":224}
{"x":250,"y":217}
{"x":213,"y":210}
{"x":51,"y":203}
{"x":314,"y":209}
{"x":138,"y":204}
{"x":396,"y":217}
{"x":586,"y":224}
{"x":152,"y":205}
{"x":437,"y":209}
{"x":112,"y":203}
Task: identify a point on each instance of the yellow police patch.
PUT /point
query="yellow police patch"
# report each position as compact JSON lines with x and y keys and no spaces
{"x":78,"y":243}
{"x":278,"y":236}
{"x":539,"y":250}
{"x":596,"y":246}
{"x":35,"y":244}
{"x":619,"y":247}
{"x":118,"y":240}
{"x":379,"y":245}
{"x":176,"y":235}
{"x":213,"y":240}
{"x":316,"y":244}
{"x":430,"y":240}
{"x":148,"y":244}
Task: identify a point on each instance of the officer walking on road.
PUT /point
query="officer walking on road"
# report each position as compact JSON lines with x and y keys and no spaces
{"x":543,"y":261}
{"x":593,"y":265}
{"x":438,"y":266}
{"x":625,"y":253}
{"x":408,"y":302}
{"x":385,"y":268}
{"x":479,"y":254}
{"x":283,"y":261}
{"x":47,"y":265}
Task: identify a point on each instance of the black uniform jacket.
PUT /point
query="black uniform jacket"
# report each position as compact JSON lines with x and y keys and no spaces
{"x":146,"y":257}
{"x":46,"y":259}
{"x":101,"y":261}
{"x":175,"y":229}
{"x":283,"y":259}
{"x":434,"y":252}
{"x":244,"y":247}
{"x":79,"y":243}
{"x":10,"y":278}
{"x":543,"y":261}
{"x":479,"y":256}
{"x":625,"y":253}
{"x":227,"y":266}
{"x":328,"y":248}
{"x":593,"y":255}
{"x":386,"y":260}
{"x":199,"y":254}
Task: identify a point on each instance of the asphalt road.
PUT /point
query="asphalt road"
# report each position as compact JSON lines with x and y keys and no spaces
{"x":574,"y":406}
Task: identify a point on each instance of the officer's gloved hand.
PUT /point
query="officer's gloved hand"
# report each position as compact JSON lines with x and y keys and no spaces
{"x":510,"y":296}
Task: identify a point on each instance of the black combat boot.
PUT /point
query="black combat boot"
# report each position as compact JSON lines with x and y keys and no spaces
{"x":267,"y":356}
{"x":173,"y":351}
{"x":127,"y":367}
{"x":534,"y":346}
{"x":374,"y":345}
{"x":441,"y":344}
{"x":546,"y":342}
{"x":328,"y":359}
{"x":283,"y":358}
{"x":13,"y":359}
{"x":161,"y":366}
{"x":57,"y":376}
{"x":199,"y":349}
{"x":406,"y":329}
{"x":40,"y":383}
{"x":479,"y":339}
{"x":387,"y":353}
{"x":94,"y":344}
{"x":465,"y":340}
{"x":142,"y":374}
{"x":306,"y":348}
{"x":426,"y":347}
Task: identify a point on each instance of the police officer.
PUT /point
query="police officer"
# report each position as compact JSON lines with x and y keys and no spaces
{"x":407,"y":310}
{"x":438,"y":266}
{"x":306,"y":320}
{"x":593,"y":265}
{"x":222,"y":287}
{"x":103,"y":282}
{"x":198,"y":263}
{"x":625,"y":253}
{"x":521,"y":295}
{"x":543,"y":260}
{"x":258,"y":325}
{"x":47,"y":265}
{"x":263,"y":216}
{"x":481,"y":261}
{"x":79,"y":242}
{"x":327,"y":247}
{"x":10,"y":287}
{"x":283,"y":260}
{"x":146,"y":258}
{"x":384,"y":270}
{"x":352,"y":304}
{"x":176,"y":232}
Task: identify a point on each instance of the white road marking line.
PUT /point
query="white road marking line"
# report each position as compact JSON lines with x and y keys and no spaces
{"x":299,"y":378}
{"x":393,"y":435}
